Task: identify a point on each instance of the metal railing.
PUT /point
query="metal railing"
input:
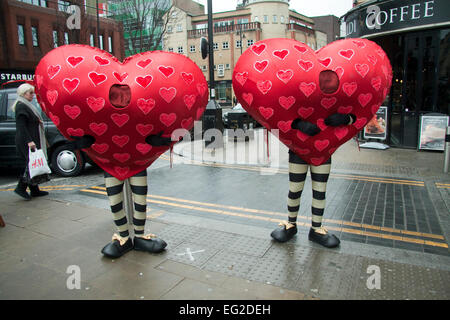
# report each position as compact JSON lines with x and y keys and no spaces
{"x":250,"y":26}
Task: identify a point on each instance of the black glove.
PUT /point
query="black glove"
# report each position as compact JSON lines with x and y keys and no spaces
{"x":340,"y":119}
{"x":81,"y":143}
{"x":157,"y":140}
{"x":306,"y":127}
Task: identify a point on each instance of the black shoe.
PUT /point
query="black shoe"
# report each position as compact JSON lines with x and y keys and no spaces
{"x":21,"y":190}
{"x":35,"y":192}
{"x":281,"y":234}
{"x":327,"y":240}
{"x":152,"y":245}
{"x":115,"y":250}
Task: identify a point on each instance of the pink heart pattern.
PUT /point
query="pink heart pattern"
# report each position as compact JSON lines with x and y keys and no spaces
{"x":168,"y":92}
{"x":287,"y":87}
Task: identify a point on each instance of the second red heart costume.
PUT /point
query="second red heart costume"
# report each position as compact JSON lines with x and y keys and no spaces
{"x":277,"y":81}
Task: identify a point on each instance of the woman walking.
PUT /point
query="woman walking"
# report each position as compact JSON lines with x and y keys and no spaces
{"x":30,"y":135}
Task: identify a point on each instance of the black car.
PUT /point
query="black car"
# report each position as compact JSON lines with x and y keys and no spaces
{"x":63,"y":161}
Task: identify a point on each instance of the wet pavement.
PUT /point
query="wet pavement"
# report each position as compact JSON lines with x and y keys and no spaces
{"x":216,"y":209}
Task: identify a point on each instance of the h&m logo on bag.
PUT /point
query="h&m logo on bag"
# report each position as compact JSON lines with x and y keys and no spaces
{"x":37,"y":163}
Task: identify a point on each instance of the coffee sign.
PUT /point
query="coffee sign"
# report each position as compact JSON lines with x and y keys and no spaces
{"x":396,"y":15}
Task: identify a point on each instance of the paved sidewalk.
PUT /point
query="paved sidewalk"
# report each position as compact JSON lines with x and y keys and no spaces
{"x":213,"y":259}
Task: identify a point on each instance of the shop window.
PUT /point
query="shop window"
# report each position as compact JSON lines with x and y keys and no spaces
{"x":443,"y":85}
{"x":21,"y":34}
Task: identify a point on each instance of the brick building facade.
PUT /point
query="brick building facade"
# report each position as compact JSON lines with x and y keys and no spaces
{"x":30,"y":29}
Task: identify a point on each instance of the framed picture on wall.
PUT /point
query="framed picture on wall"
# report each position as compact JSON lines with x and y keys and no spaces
{"x":376,"y":128}
{"x":432,"y":132}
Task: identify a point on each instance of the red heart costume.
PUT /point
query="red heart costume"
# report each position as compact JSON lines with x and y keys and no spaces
{"x":124,"y":114}
{"x":316,"y":101}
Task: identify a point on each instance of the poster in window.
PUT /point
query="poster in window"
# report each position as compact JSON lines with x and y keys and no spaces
{"x":432,"y":132}
{"x":376,"y":127}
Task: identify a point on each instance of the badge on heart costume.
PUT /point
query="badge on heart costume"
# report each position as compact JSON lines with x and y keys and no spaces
{"x":168,"y":92}
{"x":277,"y":81}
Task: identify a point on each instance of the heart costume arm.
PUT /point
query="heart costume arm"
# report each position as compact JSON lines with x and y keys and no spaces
{"x":157,"y":140}
{"x":81,"y":143}
{"x":339,"y":119}
{"x":306,"y":127}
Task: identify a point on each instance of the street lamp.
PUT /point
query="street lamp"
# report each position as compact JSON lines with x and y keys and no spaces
{"x":212,"y":117}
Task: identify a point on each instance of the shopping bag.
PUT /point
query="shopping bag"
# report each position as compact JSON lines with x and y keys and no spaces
{"x":37,"y":163}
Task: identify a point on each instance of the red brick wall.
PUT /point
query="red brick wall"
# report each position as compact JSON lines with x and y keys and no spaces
{"x":26,"y":57}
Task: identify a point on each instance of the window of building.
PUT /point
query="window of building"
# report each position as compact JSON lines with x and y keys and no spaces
{"x":34,"y":36}
{"x":100,"y":40}
{"x":42,"y":3}
{"x":274,"y":18}
{"x":227,"y":66}
{"x":281,"y":19}
{"x":220,"y":70}
{"x":62,"y":5}
{"x":91,"y":40}
{"x":249,"y":42}
{"x":179,"y":27}
{"x":169,"y":29}
{"x":201,"y":26}
{"x":110,"y":45}
{"x":180,"y":50}
{"x":21,"y":34}
{"x":266,"y":18}
{"x":204,"y":68}
{"x":55,"y":38}
{"x":256,"y":19}
{"x":242,"y":21}
{"x":192,"y":48}
{"x":225,"y":45}
{"x":66,"y":38}
{"x":238,"y":43}
{"x":216,"y":46}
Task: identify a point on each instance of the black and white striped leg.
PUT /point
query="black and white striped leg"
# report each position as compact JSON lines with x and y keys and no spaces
{"x":319,"y":179}
{"x":138,"y":184}
{"x":297,"y":176}
{"x":114,"y":189}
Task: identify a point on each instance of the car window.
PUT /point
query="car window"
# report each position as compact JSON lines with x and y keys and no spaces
{"x":11,"y":115}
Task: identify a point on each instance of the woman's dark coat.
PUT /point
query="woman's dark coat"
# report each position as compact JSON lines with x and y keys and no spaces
{"x":27,"y":130}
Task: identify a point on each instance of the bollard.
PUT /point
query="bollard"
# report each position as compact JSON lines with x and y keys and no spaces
{"x":447,"y":150}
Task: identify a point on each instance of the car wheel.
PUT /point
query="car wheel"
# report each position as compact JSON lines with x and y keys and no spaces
{"x":66,"y":162}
